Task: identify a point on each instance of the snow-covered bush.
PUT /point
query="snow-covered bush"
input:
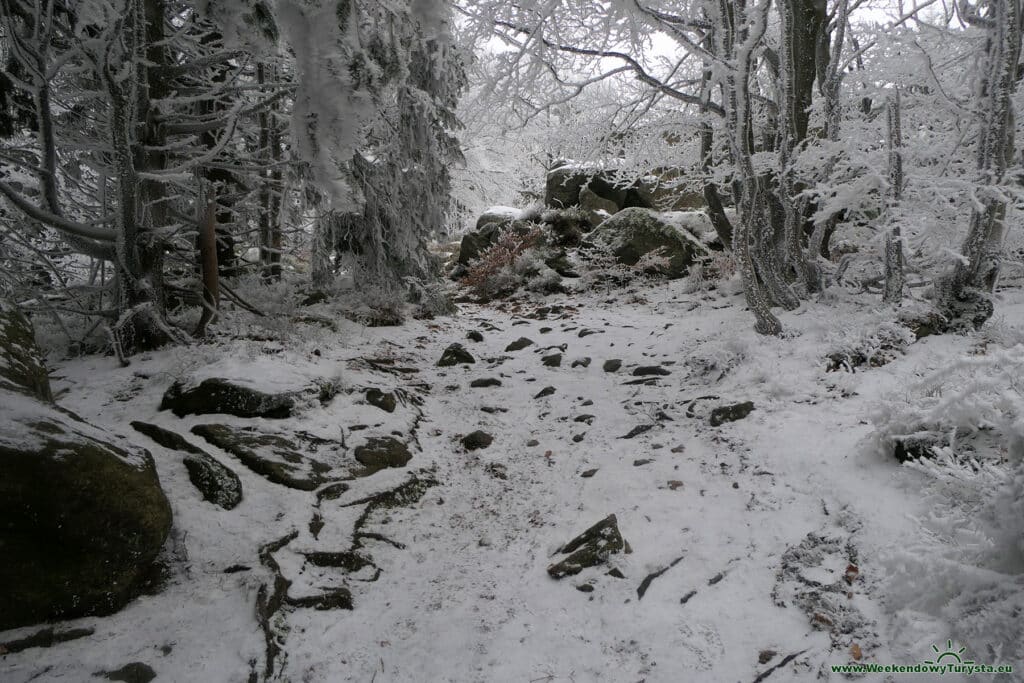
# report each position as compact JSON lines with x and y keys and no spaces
{"x":711,"y":272}
{"x":969,"y":568}
{"x":978,"y":396}
{"x":872,"y":346}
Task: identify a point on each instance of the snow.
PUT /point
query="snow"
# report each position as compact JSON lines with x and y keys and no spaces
{"x":468,"y":596}
{"x":264,"y":373}
{"x":508,"y":211}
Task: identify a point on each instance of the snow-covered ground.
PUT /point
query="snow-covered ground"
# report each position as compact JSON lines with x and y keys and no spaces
{"x":755,"y":522}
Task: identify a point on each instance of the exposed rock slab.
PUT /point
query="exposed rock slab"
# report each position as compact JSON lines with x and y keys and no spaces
{"x":217,"y":483}
{"x":272,"y":456}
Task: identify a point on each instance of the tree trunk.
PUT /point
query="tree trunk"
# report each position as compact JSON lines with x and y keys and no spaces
{"x":803,"y":24}
{"x":737,"y":46}
{"x":270,"y":189}
{"x":142,"y":206}
{"x":210,"y":274}
{"x":894,"y":277}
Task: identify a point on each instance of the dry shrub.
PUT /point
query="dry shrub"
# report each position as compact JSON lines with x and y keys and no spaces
{"x":493,"y":273}
{"x":710,"y":272}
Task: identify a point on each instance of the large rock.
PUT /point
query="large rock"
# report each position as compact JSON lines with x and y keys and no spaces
{"x":634,"y":232}
{"x":596,"y":208}
{"x":603,"y":185}
{"x":502,"y":215}
{"x":475,"y":243}
{"x":562,"y":186}
{"x":566,"y":226}
{"x":217,"y":395}
{"x":664,"y":192}
{"x":21,"y":363}
{"x":82,"y":515}
{"x":455,"y":354}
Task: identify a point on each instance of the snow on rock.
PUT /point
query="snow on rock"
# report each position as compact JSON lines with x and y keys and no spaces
{"x":634,"y":234}
{"x":509,"y":212}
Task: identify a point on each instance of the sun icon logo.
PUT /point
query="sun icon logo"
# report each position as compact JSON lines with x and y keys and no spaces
{"x":950,"y":656}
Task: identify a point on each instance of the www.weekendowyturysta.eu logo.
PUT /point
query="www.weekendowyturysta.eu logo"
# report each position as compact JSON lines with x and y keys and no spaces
{"x":949,"y":660}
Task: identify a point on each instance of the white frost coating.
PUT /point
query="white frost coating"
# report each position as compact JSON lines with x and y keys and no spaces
{"x":330,"y":110}
{"x":432,"y":16}
{"x":508,"y":211}
{"x":695,"y":222}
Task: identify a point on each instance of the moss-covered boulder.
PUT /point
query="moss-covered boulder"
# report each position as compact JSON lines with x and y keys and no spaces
{"x":217,"y":484}
{"x":273,"y":456}
{"x":589,"y":549}
{"x":562,"y":186}
{"x":82,"y":515}
{"x":634,"y":233}
{"x":21,"y":363}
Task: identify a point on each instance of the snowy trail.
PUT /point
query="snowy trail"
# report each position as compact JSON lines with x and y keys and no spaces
{"x":462,"y":592}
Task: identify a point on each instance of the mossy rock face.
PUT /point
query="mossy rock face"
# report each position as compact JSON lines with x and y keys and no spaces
{"x":272,"y":456}
{"x":590,"y":549}
{"x":597,"y":208}
{"x":380,"y":452}
{"x":217,"y":484}
{"x":634,"y":233}
{"x":562,"y":186}
{"x":82,"y":515}
{"x":216,"y":395}
{"x":21,"y":363}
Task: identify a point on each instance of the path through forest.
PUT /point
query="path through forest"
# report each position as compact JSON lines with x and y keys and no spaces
{"x":755,"y":542}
